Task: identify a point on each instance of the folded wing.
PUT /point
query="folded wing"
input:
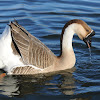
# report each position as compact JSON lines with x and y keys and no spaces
{"x":31,"y":50}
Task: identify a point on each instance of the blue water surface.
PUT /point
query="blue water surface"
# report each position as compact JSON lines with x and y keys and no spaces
{"x":45,"y":19}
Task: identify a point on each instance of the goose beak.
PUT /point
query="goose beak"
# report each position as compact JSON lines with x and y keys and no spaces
{"x":88,"y":38}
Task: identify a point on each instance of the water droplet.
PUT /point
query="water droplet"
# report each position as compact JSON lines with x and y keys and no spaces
{"x":90,"y":55}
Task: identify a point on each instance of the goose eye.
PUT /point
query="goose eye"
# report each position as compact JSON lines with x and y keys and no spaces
{"x":87,"y":30}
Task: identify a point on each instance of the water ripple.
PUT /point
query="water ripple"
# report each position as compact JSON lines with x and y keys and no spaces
{"x":45,"y":19}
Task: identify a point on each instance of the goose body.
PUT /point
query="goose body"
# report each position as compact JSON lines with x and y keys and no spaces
{"x":21,"y":53}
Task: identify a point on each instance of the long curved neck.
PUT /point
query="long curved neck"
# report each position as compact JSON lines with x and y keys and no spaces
{"x":66,"y":39}
{"x":66,"y":59}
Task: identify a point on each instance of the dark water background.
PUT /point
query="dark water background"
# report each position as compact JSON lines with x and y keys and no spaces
{"x":45,"y":19}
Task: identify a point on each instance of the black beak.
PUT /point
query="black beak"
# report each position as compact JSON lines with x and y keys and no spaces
{"x":88,"y":39}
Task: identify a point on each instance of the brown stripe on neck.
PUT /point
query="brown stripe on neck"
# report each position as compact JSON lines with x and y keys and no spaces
{"x":69,"y":23}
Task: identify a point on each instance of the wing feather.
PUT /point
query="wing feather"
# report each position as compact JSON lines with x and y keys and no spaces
{"x":24,"y":70}
{"x":32,"y":50}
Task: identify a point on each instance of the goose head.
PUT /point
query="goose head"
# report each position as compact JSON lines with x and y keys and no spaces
{"x":81,"y":28}
{"x":84,"y":32}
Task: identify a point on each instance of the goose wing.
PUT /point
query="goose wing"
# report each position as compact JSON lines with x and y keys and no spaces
{"x":31,"y":50}
{"x":25,"y":70}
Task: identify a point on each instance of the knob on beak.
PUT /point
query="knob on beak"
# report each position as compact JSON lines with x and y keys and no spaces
{"x":88,"y":39}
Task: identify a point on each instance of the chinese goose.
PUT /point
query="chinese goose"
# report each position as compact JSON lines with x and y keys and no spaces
{"x":23,"y":54}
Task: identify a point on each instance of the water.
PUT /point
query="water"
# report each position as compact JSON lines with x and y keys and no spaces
{"x":90,"y":55}
{"x":45,"y":19}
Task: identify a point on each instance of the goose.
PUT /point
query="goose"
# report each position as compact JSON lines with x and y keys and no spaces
{"x":22,"y":53}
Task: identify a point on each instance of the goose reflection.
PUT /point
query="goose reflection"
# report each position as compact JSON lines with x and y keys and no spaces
{"x":44,"y":84}
{"x":52,"y":84}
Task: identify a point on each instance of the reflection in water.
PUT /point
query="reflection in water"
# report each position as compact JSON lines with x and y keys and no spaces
{"x":68,"y":84}
{"x":8,"y":86}
{"x":62,"y":83}
{"x":57,"y":84}
{"x":46,"y":24}
{"x":89,"y":98}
